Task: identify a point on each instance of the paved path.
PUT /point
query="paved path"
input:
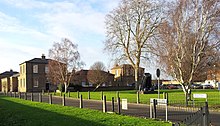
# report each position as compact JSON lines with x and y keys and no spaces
{"x":140,"y":110}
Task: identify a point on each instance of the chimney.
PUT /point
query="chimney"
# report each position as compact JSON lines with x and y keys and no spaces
{"x":43,"y":56}
{"x":11,"y":72}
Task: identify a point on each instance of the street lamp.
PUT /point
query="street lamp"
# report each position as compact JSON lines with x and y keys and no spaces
{"x":215,"y":76}
{"x":158,"y":77}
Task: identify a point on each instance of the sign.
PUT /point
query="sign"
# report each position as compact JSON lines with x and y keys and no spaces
{"x":219,"y":86}
{"x":159,"y":101}
{"x":158,"y":73}
{"x":199,"y":95}
{"x":124,"y":104}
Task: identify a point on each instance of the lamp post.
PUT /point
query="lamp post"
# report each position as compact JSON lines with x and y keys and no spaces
{"x":215,"y":76}
{"x":158,"y":83}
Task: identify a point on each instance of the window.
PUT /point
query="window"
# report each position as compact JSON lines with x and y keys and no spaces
{"x":23,"y":83}
{"x":35,"y":82}
{"x":21,"y":69}
{"x":20,"y":82}
{"x":46,"y":69}
{"x":116,"y":73}
{"x":35,"y":69}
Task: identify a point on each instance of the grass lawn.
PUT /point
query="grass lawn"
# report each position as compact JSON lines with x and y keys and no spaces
{"x":18,"y":112}
{"x":175,"y":96}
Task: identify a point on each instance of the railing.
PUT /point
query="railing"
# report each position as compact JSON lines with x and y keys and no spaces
{"x":199,"y":118}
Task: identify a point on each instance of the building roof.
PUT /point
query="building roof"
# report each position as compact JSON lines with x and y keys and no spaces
{"x":8,"y":73}
{"x":41,"y":60}
{"x":85,"y":72}
{"x":123,"y":65}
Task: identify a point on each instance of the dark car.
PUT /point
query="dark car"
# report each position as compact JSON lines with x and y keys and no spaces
{"x":172,"y":86}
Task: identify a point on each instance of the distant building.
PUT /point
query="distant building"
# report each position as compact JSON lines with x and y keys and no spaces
{"x":124,"y":74}
{"x":33,"y":75}
{"x":213,"y":76}
{"x":81,"y":78}
{"x":9,"y":81}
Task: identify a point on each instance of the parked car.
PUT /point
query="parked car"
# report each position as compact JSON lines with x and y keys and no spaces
{"x":207,"y":86}
{"x":172,"y":86}
{"x":196,"y":86}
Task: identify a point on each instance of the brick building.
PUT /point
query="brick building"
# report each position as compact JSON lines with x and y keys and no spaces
{"x":124,"y":74}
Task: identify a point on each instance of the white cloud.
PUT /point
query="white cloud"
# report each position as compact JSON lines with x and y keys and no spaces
{"x":74,"y":19}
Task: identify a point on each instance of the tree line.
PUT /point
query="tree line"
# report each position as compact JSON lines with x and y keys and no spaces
{"x":182,"y":35}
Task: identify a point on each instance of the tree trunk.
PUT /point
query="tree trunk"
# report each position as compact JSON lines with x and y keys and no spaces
{"x":65,"y":87}
{"x":187,"y":92}
{"x":136,"y":78}
{"x":97,"y":87}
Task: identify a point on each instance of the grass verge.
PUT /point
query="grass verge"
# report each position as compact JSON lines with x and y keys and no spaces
{"x":176,"y":96}
{"x":18,"y":112}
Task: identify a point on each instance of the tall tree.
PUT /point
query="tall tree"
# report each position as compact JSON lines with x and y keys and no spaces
{"x":189,"y":38}
{"x":130,"y":27}
{"x":65,"y":60}
{"x":97,"y":74}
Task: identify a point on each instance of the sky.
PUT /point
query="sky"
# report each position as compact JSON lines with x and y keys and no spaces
{"x":28,"y":29}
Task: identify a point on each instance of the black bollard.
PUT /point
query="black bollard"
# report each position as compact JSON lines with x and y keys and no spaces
{"x":119,"y":107}
{"x":113,"y":104}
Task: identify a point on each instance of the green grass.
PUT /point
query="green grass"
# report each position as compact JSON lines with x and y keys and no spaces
{"x":175,"y":96}
{"x":18,"y":112}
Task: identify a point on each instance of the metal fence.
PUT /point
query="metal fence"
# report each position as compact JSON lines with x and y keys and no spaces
{"x":177,"y":112}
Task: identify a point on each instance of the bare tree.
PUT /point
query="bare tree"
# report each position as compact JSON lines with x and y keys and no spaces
{"x":189,"y":38}
{"x":130,"y":27}
{"x":65,"y":60}
{"x":97,"y":75}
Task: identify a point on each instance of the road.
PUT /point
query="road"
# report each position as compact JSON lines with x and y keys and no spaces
{"x":175,"y":114}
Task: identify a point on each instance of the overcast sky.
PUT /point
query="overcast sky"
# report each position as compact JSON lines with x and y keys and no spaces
{"x":28,"y":28}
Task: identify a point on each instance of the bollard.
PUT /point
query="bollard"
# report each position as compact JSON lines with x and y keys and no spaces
{"x":32,"y":96}
{"x":88,"y":94}
{"x":104,"y":106}
{"x":164,"y":95}
{"x":101,"y":95}
{"x":64,"y":102}
{"x":154,"y":108}
{"x":77,"y":94}
{"x":81,"y":102}
{"x":40,"y":97}
{"x":50,"y":99}
{"x":68,"y":93}
{"x":113,"y":104}
{"x":19,"y":95}
{"x":119,"y":107}
{"x":117,"y":94}
{"x":25,"y":96}
{"x":138,"y":98}
{"x":15,"y":94}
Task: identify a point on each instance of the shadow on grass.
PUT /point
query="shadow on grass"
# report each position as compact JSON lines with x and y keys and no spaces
{"x":16,"y":114}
